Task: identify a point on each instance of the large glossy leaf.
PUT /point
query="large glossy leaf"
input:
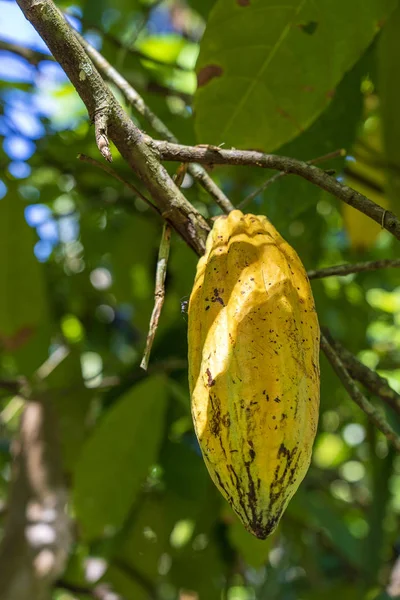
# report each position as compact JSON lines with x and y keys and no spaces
{"x":266,"y":70}
{"x":334,"y":129}
{"x":24,"y":312}
{"x":117,"y":457}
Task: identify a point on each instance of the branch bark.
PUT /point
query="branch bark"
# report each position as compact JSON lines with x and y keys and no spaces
{"x":159,"y":292}
{"x":132,"y":96}
{"x":341,"y":270}
{"x":269,"y":182}
{"x":356,"y":395}
{"x":211,"y":155}
{"x":102,"y":105}
{"x":37,"y":537}
{"x":376,"y":384}
{"x":101,"y":591}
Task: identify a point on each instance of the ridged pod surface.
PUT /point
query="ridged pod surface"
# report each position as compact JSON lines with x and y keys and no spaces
{"x":253,"y":367}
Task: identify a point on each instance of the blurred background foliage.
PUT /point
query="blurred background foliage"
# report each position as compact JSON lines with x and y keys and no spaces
{"x":77,"y":261}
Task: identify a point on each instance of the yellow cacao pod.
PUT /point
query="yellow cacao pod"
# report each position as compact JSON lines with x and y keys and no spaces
{"x":253,"y":367}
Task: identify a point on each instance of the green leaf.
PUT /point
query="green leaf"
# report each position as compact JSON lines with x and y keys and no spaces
{"x":389,"y":92}
{"x":123,"y":583}
{"x":133,"y":246}
{"x":266,"y":70}
{"x":253,"y":551}
{"x":24,"y":312}
{"x":186,"y":474}
{"x":121,"y":450}
{"x":203,"y":7}
{"x":319,"y":509}
{"x":334,"y":129}
{"x":71,"y":401}
{"x":166,"y":48}
{"x":171,"y":540}
{"x":99,"y":12}
{"x":342,"y":591}
{"x":382,"y":471}
{"x":190,"y":566}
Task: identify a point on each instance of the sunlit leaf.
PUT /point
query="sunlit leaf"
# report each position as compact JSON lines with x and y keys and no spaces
{"x":266,"y":70}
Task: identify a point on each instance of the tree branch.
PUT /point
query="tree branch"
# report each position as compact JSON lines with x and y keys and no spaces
{"x":101,"y":591}
{"x":13,"y":386}
{"x":129,"y":47}
{"x":341,"y":270}
{"x":37,"y":537}
{"x":99,"y":101}
{"x":370,"y":379}
{"x":213,"y":155}
{"x":356,"y":395}
{"x":159,"y":292}
{"x":34,"y":57}
{"x":278,"y":176}
{"x":132,"y":96}
{"x":130,"y":571}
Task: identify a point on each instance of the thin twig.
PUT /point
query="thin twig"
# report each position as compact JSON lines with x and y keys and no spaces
{"x":154,"y":87}
{"x":34,"y":57}
{"x":341,"y":270}
{"x":13,"y":386}
{"x":212,"y":155}
{"x":128,"y":48}
{"x":370,"y":379}
{"x":356,"y":395}
{"x":159,"y":293}
{"x":110,"y":171}
{"x":261,"y":189}
{"x":130,"y":571}
{"x":161,"y":272}
{"x":132,"y":96}
{"x":101,"y":591}
{"x":277,"y":176}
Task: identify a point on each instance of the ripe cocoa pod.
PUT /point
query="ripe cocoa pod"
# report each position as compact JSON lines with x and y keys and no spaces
{"x":253,"y":367}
